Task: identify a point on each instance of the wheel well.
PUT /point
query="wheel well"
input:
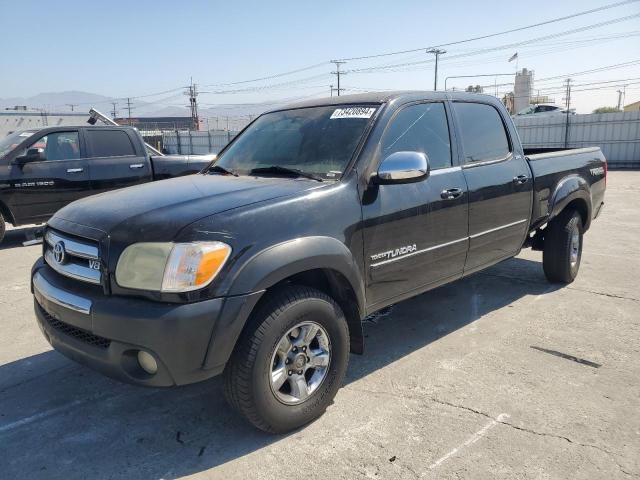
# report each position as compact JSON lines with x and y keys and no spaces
{"x":334,"y":284}
{"x":580,"y":206}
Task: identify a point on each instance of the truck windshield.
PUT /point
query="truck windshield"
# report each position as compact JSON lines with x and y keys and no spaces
{"x":9,"y":142}
{"x":316,"y":140}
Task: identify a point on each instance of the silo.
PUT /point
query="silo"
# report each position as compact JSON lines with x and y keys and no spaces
{"x":522,"y":89}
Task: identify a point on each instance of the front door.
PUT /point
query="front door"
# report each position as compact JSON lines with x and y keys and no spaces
{"x":115,"y":160}
{"x":499,"y":182}
{"x":40,"y":188}
{"x":415,"y":234}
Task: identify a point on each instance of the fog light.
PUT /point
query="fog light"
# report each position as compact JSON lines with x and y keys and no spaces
{"x":147,"y":362}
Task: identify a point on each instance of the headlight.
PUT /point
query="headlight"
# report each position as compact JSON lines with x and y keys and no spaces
{"x":171,"y":267}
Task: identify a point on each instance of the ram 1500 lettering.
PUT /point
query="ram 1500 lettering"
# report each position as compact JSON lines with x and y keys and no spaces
{"x":263,"y":266}
{"x":43,"y":170}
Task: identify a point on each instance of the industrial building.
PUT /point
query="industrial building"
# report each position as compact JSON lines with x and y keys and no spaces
{"x":22,"y":119}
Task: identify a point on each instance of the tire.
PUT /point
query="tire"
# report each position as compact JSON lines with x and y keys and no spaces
{"x":3,"y":227}
{"x":563,"y":247}
{"x":268,"y":342}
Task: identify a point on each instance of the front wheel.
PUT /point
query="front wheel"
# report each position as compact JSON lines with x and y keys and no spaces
{"x":563,"y":247}
{"x":290,"y":361}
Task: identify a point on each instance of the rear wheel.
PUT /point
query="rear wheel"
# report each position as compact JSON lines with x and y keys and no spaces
{"x":563,"y":247}
{"x":290,"y":360}
{"x":3,"y":227}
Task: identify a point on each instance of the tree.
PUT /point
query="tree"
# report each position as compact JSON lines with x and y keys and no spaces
{"x":472,"y":89}
{"x":606,"y":110}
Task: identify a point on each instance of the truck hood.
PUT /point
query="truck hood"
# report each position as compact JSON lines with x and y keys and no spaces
{"x":157,"y":211}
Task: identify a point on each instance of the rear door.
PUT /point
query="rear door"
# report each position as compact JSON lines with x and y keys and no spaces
{"x":116,"y":159}
{"x":416,"y":234}
{"x":41,"y":188}
{"x":499,"y":182}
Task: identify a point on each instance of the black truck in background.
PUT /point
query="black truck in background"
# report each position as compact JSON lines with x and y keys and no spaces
{"x":263,"y":266}
{"x":42,"y":170}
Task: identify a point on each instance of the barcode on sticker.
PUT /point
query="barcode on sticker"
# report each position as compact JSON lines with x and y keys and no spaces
{"x":353,"y":112}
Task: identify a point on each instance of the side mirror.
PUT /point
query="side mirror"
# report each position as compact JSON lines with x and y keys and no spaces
{"x":403,"y":167}
{"x":32,"y":155}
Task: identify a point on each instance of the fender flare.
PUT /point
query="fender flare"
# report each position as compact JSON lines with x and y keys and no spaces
{"x":286,"y":259}
{"x":268,"y":268}
{"x":568,"y":190}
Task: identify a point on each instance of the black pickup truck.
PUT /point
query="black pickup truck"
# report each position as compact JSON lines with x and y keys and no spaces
{"x":43,"y":170}
{"x":263,"y":266}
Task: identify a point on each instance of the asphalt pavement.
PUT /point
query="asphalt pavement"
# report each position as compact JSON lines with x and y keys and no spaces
{"x":500,"y":375}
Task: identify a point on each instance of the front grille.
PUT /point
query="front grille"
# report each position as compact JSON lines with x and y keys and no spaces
{"x":72,"y":256}
{"x":77,"y":333}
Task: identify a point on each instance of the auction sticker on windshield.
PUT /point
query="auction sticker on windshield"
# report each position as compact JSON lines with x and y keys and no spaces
{"x":352,"y":112}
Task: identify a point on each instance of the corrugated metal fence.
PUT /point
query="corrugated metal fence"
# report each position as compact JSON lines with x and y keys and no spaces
{"x":195,"y":143}
{"x":617,"y":134}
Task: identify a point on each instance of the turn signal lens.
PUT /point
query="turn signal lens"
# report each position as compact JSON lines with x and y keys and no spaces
{"x":193,"y":265}
{"x":171,"y":267}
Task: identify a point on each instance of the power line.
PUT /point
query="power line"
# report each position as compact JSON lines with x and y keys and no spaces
{"x":501,"y":47}
{"x":269,"y":77}
{"x":483,"y":37}
{"x":317,"y":65}
{"x":267,"y":87}
{"x":593,"y":70}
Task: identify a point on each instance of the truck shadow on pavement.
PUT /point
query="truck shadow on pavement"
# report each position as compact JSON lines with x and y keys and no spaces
{"x":61,"y":420}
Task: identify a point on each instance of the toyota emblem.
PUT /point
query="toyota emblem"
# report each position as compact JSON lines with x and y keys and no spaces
{"x":59,"y":253}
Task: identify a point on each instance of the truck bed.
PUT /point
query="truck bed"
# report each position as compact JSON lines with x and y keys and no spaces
{"x":552,"y":170}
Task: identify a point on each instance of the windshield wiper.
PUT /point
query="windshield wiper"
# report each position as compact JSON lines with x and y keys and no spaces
{"x":286,"y":171}
{"x":221,"y":169}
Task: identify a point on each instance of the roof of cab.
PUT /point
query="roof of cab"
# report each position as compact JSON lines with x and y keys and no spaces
{"x":385,"y":97}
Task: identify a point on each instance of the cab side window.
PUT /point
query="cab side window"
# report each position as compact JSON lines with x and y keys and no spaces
{"x":420,"y":128}
{"x":482,"y":132}
{"x":109,"y":143}
{"x":58,"y":146}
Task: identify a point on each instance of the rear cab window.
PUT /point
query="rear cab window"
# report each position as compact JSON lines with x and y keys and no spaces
{"x":482,"y":132}
{"x":109,"y":143}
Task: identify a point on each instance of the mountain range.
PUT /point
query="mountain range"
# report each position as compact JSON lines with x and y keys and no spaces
{"x":60,"y":102}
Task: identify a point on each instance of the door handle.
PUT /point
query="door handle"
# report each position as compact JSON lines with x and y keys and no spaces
{"x":451,"y":193}
{"x":136,"y":165}
{"x":75,"y":170}
{"x":520,"y":179}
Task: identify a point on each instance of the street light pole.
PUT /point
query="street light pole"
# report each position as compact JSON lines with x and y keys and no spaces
{"x":437,"y":52}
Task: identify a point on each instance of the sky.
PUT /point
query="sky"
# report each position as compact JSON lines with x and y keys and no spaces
{"x":150,"y":49}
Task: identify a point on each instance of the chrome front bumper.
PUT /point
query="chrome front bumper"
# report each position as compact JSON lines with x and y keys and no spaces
{"x":42,"y":289}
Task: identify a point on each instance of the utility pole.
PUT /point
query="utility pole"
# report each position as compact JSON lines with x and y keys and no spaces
{"x":337,"y":73}
{"x":331,"y":87}
{"x":192,"y":92}
{"x":129,"y":107}
{"x":72,"y":105}
{"x":619,"y":99}
{"x":567,"y":99}
{"x":114,"y":112}
{"x":437,"y":52}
